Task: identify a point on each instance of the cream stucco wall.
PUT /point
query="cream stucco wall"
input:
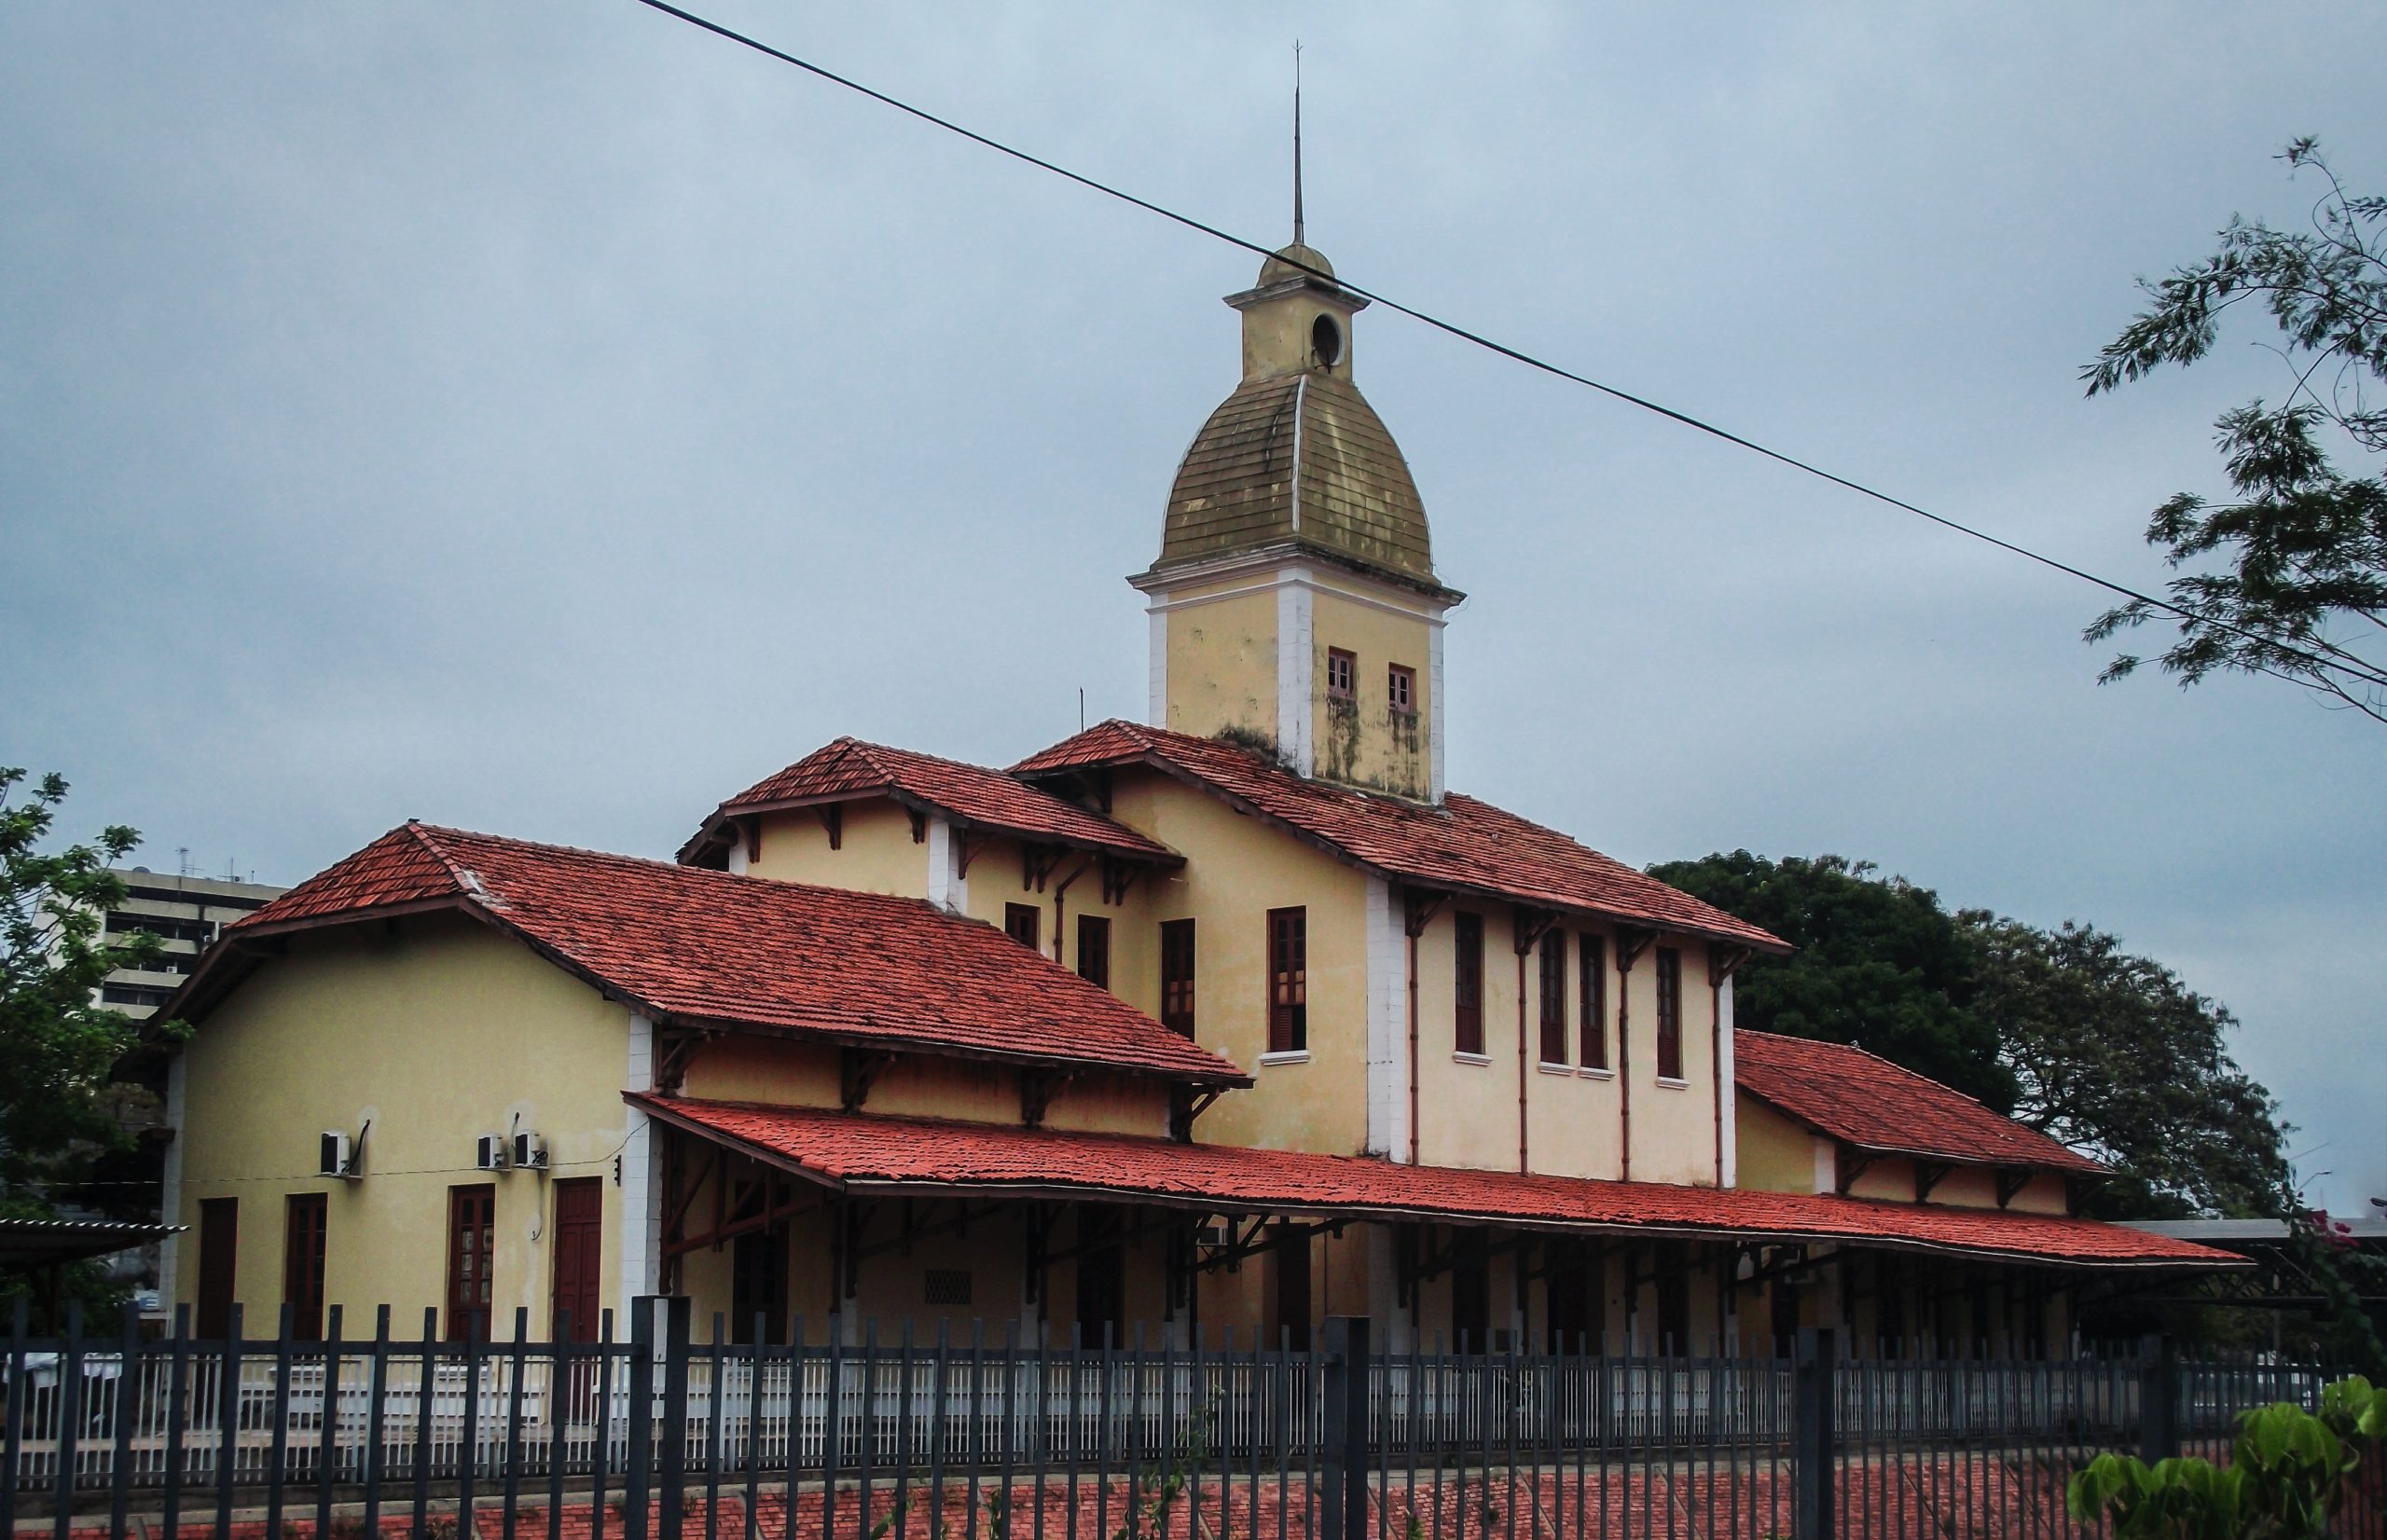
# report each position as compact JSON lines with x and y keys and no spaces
{"x":1222,"y":662}
{"x":792,"y":1073}
{"x":1780,"y":1155}
{"x":1239,"y":871}
{"x":434,"y":1031}
{"x":875,"y":852}
{"x":1365,"y":742}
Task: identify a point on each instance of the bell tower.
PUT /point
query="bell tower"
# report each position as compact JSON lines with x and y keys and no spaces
{"x":1293,"y":603}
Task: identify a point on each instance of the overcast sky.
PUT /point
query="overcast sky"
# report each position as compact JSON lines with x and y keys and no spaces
{"x":547,"y":419}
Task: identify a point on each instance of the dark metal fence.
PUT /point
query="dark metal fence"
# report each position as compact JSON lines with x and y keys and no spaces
{"x":913,"y":1438}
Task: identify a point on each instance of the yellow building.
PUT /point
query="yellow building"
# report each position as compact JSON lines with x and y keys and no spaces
{"x":1234,"y":1019}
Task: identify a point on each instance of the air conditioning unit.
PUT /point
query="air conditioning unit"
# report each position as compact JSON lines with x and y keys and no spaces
{"x":491,"y":1154}
{"x":530,"y":1153}
{"x":332,"y":1154}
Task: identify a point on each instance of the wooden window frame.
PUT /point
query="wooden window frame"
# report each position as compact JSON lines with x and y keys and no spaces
{"x":1467,"y":983}
{"x":1400,"y":689}
{"x":1346,"y":663}
{"x":1669,"y":978}
{"x":1287,"y":938}
{"x":462,"y":1312}
{"x":1177,"y":942}
{"x":304,"y":1218}
{"x":1094,"y":950}
{"x":1554,"y":991}
{"x":1025,"y":923}
{"x":1592,"y":966}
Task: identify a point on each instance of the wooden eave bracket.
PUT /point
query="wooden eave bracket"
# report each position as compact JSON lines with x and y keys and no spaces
{"x":1036,"y":863}
{"x":1187,"y":1103}
{"x":858,"y":1070}
{"x":1724,"y":960}
{"x":833,"y":818}
{"x":1631,"y":942}
{"x":751,"y":828}
{"x":1531,"y":925}
{"x":2011,"y":1180}
{"x":1419,"y":905}
{"x":1929,"y":1174}
{"x":1117,"y":877}
{"x":1037,"y":1089}
{"x":1853,"y":1164}
{"x":672,"y":1064}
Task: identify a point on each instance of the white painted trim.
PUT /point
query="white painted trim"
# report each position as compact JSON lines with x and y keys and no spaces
{"x":1436,"y":784}
{"x":1290,"y":567}
{"x":1290,"y":1055}
{"x":1296,"y":662}
{"x":1827,"y":1165}
{"x":1293,"y":480}
{"x":1156,"y":670}
{"x":737,"y":851}
{"x":641,"y":1247}
{"x":169,"y":1204}
{"x":947,"y":888}
{"x":1458,"y":1057}
{"x":1387,"y":1025}
{"x":1731,"y":1174}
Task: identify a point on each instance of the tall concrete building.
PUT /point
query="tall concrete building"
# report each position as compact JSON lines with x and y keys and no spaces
{"x":186,"y":912}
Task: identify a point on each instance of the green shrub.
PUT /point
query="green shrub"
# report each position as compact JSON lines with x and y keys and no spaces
{"x":2288,"y":1470}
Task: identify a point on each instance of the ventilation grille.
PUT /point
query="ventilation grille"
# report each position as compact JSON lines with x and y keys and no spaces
{"x":948,"y":1285}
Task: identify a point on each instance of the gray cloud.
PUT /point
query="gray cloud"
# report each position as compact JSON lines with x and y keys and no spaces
{"x":546,"y":418}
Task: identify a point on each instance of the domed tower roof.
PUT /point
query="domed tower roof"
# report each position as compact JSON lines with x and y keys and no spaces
{"x":1296,"y":457}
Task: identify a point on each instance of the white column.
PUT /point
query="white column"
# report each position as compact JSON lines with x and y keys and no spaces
{"x":1156,"y":712}
{"x":170,"y":1209}
{"x":1434,"y":706}
{"x":948,"y":889}
{"x":1295,"y":663}
{"x":1388,"y":1025}
{"x":737,"y":851}
{"x":1384,"y":1291}
{"x":1827,"y":1165}
{"x":641,"y":1175}
{"x":1730,"y":1099}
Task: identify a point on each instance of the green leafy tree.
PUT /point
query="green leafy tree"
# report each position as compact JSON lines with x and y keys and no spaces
{"x":56,"y":1046}
{"x":2114,"y":1055}
{"x":2107,"y":1052}
{"x":2289,"y":578}
{"x":1879,"y":964}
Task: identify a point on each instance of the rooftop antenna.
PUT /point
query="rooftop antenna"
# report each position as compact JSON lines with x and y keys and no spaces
{"x":182,"y":865}
{"x":1297,"y":143}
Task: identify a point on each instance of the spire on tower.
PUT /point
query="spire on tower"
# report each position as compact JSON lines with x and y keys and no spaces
{"x":1297,"y":143}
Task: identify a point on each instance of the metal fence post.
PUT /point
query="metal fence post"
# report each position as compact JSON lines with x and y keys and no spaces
{"x":675,"y":1414}
{"x":639,"y":1465}
{"x":1814,"y":1443}
{"x":1343,"y":1440}
{"x":2159,"y":1421}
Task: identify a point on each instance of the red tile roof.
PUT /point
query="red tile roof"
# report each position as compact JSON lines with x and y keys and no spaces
{"x":1463,"y":844}
{"x":1866,"y":1101}
{"x":677,"y":941}
{"x":971,"y":794}
{"x":865,"y":1152}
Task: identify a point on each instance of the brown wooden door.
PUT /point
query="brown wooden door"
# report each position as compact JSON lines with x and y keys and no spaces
{"x":472,"y":1236}
{"x":302,"y":1264}
{"x":579,"y":1253}
{"x":219,"y":1242}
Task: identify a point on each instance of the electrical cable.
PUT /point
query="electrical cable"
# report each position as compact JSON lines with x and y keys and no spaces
{"x":2314,"y":660}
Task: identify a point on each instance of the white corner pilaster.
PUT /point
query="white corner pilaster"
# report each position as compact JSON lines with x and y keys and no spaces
{"x":948,"y":889}
{"x":1388,"y":1038}
{"x":1827,"y":1165}
{"x":641,"y":1175}
{"x":1434,"y":709}
{"x":1156,"y":684}
{"x":1730,"y":1098}
{"x":1296,"y":661}
{"x":170,"y":1204}
{"x":738,"y":855}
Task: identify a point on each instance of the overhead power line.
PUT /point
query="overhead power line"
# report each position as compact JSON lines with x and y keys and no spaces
{"x":1518,"y":355}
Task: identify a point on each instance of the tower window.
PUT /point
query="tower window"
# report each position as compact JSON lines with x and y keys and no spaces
{"x":1019,"y":923}
{"x":1595,"y":1011}
{"x":1400,"y":687}
{"x":1342,"y":674}
{"x":1326,"y":341}
{"x":1467,"y":932}
{"x":1669,"y":1013}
